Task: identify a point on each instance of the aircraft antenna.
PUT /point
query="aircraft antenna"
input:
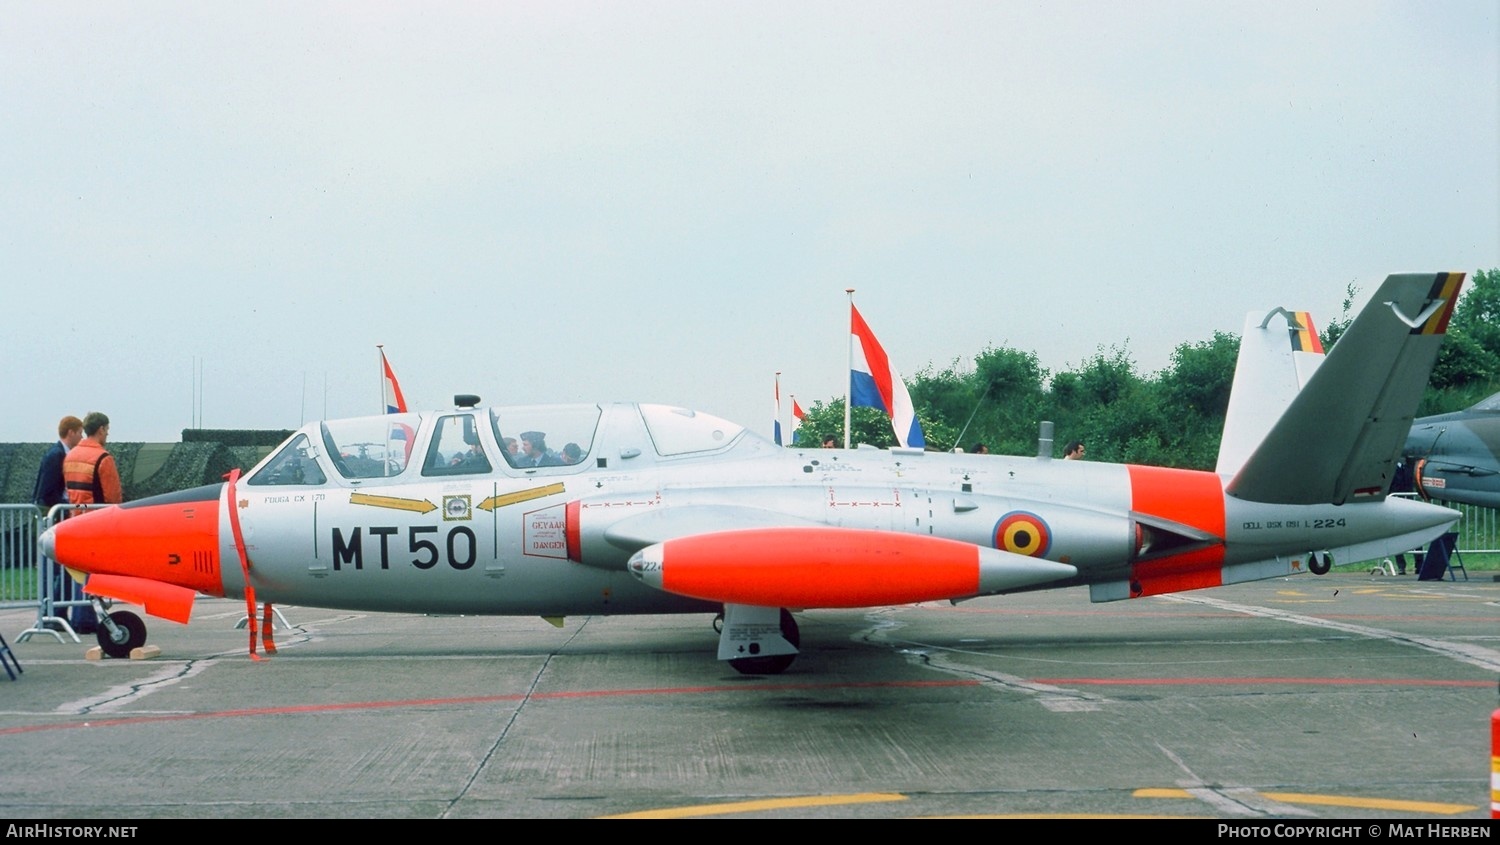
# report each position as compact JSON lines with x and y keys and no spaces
{"x":197,"y":392}
{"x":194,"y":409}
{"x":983,"y":393}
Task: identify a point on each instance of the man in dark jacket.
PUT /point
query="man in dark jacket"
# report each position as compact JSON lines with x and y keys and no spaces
{"x":50,"y":490}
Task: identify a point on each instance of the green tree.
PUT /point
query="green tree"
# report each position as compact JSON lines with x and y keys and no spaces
{"x":1337,"y":326}
{"x":1193,"y":393}
{"x":825,"y":419}
{"x":1200,"y":376}
{"x":1108,"y":376}
{"x":996,"y":401}
{"x":945,"y":399}
{"x":1118,"y":413}
{"x":1468,"y":364}
{"x":1478,"y":311}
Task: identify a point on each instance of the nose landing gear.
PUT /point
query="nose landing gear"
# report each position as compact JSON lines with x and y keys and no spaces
{"x":119,"y":632}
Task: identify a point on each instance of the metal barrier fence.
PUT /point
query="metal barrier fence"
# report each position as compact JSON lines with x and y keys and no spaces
{"x":18,"y":532}
{"x":1478,"y":530}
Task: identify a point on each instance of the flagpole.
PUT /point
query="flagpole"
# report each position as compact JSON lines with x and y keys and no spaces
{"x":776,"y":425}
{"x":798,"y":415}
{"x":380,"y":349}
{"x":849,"y":366}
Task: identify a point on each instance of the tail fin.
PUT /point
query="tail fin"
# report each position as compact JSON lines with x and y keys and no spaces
{"x":1273,"y":365}
{"x":1339,"y":438}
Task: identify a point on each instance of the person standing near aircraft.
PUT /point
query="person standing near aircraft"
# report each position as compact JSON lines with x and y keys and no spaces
{"x":89,"y":470}
{"x":50,"y":490}
{"x":1074,"y":451}
{"x":92,"y":478}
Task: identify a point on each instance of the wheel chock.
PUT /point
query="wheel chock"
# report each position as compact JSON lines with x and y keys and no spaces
{"x":145,"y":652}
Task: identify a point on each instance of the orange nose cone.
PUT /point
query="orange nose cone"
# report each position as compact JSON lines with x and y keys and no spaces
{"x":172,"y":538}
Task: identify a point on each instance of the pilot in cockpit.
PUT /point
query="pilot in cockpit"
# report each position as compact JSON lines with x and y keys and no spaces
{"x":472,"y":459}
{"x":534,"y":451}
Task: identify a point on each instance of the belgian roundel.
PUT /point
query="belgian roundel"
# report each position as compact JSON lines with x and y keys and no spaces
{"x":1023,"y":533}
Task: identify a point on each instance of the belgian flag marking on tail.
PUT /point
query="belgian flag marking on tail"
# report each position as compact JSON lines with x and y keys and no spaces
{"x":1304,"y":335}
{"x":1445,"y":287}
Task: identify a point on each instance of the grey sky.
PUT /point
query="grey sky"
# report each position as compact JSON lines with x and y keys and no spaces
{"x":560,"y":202}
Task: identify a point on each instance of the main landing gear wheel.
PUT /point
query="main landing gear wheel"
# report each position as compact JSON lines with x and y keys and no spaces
{"x":130,"y":633}
{"x":777,"y":663}
{"x":1320,"y":564}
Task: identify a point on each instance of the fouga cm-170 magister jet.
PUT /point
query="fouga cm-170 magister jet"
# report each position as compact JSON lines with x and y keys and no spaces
{"x":656,"y":509}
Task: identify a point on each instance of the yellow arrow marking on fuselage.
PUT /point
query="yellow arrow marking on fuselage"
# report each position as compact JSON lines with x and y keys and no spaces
{"x":520,"y":496}
{"x":393,"y":502}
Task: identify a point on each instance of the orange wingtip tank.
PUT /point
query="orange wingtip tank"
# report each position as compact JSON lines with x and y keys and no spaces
{"x":833,"y":567}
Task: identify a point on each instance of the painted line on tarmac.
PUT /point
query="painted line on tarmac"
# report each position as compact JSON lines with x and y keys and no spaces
{"x":470,"y":700}
{"x":1229,"y":801}
{"x":1321,"y":682}
{"x":1143,"y":816}
{"x":883,"y":625}
{"x":1475,"y":655}
{"x":1391,"y":804}
{"x":700,"y":810}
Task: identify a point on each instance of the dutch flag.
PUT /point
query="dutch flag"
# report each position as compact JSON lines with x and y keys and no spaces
{"x":394,"y":402}
{"x":874,"y":383}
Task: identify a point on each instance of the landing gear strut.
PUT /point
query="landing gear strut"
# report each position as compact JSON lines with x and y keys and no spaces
{"x":769,"y":664}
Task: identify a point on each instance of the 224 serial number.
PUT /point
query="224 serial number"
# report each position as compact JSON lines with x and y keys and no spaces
{"x":1310,"y":523}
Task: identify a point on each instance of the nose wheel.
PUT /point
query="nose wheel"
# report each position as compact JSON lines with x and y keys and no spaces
{"x":120,"y":632}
